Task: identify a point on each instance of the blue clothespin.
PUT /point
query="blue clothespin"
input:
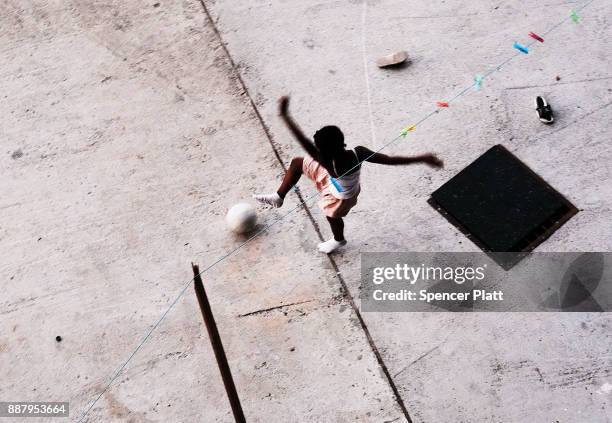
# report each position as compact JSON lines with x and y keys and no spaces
{"x":478,"y":81}
{"x":521,"y":48}
{"x":335,"y":184}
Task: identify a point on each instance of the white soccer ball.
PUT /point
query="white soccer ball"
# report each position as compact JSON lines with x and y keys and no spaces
{"x":241,"y":218}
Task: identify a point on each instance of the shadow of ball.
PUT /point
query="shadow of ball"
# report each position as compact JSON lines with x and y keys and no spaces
{"x":241,"y":218}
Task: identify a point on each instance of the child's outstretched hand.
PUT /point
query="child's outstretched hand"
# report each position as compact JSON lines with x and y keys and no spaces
{"x":432,"y":160}
{"x":283,"y":105}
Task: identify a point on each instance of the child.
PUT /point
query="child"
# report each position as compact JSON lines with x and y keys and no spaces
{"x":328,"y":157}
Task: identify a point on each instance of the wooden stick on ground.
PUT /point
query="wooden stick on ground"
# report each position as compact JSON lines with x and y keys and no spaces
{"x":217,"y":345}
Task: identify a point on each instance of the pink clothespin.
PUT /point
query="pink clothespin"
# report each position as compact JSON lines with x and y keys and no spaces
{"x":536,"y":37}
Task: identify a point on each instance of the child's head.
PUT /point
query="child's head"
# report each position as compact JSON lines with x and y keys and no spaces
{"x":330,"y":141}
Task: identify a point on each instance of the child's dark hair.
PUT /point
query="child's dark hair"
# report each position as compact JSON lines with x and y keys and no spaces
{"x":329,"y":140}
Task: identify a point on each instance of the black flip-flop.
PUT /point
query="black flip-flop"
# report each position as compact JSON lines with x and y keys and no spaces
{"x":545,"y":113}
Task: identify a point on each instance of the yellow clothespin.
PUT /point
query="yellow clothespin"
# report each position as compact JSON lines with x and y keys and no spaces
{"x":407,"y":129}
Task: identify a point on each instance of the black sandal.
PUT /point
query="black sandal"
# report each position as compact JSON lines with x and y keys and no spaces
{"x":545,"y":113}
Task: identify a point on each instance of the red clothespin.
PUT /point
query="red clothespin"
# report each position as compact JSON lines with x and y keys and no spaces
{"x":442,"y":104}
{"x":536,"y":37}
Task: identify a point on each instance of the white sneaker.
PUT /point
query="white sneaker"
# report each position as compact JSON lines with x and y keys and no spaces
{"x":273,"y":200}
{"x":331,"y":245}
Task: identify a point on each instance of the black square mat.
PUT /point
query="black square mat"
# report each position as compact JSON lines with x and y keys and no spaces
{"x":502,"y":205}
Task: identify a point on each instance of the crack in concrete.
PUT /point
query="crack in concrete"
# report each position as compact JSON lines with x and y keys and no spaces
{"x":343,"y":286}
{"x":278,"y":307}
{"x":579,"y":118}
{"x":522,"y":87}
{"x":422,"y":356}
{"x":567,"y":125}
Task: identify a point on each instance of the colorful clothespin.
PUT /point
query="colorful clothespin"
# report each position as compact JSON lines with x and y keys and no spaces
{"x":335,"y":184}
{"x":536,"y":37}
{"x":574,"y":16}
{"x":478,"y":81}
{"x":442,"y":104}
{"x":521,"y":48}
{"x":407,"y":129}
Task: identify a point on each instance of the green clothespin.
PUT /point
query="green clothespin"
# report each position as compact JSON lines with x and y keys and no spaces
{"x":574,"y":16}
{"x":407,"y":129}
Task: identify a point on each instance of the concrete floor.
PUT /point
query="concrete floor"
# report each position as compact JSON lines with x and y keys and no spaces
{"x":127,"y":134}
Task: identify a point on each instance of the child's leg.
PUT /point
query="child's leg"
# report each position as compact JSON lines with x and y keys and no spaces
{"x":337,"y":227}
{"x":292,"y":176}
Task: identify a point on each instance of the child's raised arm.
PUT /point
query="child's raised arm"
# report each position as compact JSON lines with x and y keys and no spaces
{"x":365,"y":154}
{"x":307,"y":144}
